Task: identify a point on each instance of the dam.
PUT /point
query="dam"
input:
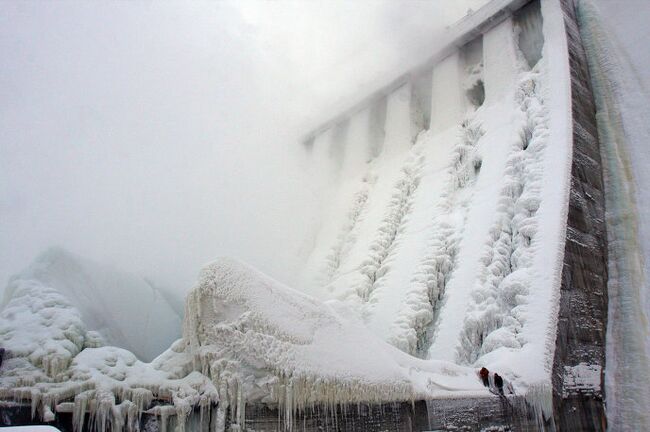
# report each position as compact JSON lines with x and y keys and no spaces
{"x":463,"y":224}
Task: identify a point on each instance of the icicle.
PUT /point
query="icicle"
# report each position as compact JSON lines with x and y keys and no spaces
{"x":540,"y":398}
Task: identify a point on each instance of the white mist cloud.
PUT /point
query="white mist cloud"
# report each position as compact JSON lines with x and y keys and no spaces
{"x":158,"y":135}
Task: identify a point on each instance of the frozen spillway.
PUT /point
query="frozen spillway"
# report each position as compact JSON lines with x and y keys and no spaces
{"x":450,"y":244}
{"x":122,"y":309}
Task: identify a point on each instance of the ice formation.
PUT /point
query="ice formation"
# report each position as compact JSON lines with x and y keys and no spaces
{"x":246,"y":338}
{"x":261,"y":341}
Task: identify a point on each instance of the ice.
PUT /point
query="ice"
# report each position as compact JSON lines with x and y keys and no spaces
{"x":246,"y":338}
{"x":622,"y":114}
{"x":39,"y":328}
{"x":495,"y":313}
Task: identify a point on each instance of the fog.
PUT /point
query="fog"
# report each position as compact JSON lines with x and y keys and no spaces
{"x":156,"y":136}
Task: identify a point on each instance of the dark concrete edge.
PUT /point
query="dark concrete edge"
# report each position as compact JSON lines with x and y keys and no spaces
{"x":582,"y":320}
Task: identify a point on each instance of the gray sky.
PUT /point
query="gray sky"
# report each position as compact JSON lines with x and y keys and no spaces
{"x":156,"y":136}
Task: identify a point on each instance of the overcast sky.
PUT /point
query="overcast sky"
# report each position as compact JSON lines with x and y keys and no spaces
{"x":158,"y":135}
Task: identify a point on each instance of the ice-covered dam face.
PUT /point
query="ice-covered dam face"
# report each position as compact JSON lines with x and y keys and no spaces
{"x":445,"y":200}
{"x":463,"y":210}
{"x":462,"y":226}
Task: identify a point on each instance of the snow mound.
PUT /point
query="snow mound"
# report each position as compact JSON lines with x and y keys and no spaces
{"x":105,"y":300}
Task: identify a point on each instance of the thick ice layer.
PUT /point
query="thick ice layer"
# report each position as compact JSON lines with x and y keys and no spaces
{"x":622,"y":116}
{"x":53,"y":358}
{"x":107,"y":301}
{"x":42,"y":327}
{"x":109,"y":388}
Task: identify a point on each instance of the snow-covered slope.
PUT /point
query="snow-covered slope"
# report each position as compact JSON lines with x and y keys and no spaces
{"x":123,"y":310}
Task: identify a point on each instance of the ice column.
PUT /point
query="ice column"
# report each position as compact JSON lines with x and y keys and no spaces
{"x":499,"y":62}
{"x":357,"y":150}
{"x":447,"y":100}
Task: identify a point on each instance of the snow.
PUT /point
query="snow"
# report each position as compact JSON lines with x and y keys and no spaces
{"x":41,"y":329}
{"x":260,"y":339}
{"x":246,"y":338}
{"x":30,"y":429}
